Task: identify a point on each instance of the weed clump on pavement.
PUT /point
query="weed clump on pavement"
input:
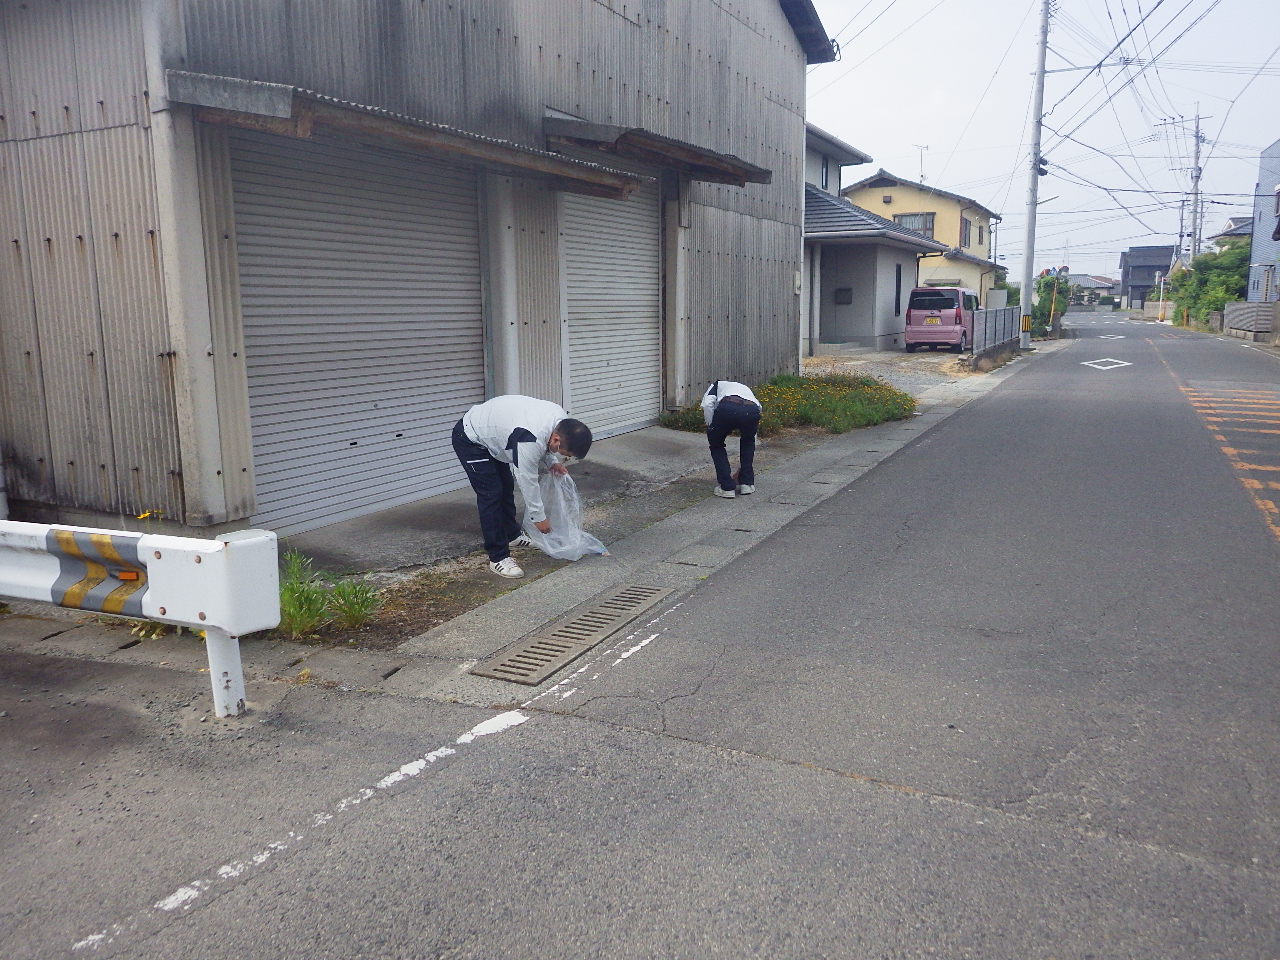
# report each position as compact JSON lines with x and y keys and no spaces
{"x":308,"y":603}
{"x":836,"y":402}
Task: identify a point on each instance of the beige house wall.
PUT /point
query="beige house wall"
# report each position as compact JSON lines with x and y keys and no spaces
{"x":903,"y":198}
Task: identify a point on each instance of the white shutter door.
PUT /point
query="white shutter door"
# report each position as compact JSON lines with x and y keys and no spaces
{"x":612,"y":276}
{"x":364,"y":340}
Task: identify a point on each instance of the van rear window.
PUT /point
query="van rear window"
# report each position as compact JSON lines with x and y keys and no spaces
{"x":933,"y":300}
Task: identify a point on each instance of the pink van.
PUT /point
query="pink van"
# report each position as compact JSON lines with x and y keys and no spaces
{"x":940,"y":316}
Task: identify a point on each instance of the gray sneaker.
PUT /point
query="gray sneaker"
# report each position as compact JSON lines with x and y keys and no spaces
{"x":721,"y":492}
{"x":746,"y":488}
{"x":506,"y":567}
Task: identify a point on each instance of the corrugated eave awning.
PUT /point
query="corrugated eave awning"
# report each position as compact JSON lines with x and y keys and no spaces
{"x":300,"y":113}
{"x":637,"y":143}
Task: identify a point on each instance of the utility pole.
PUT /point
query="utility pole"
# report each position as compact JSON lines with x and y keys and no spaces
{"x":1027,"y":294}
{"x":1195,"y":194}
{"x":1182,"y":231}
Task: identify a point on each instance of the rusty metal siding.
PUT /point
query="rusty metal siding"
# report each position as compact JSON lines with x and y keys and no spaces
{"x":539,"y":283}
{"x":72,"y":67}
{"x":40,"y":43}
{"x":24,"y":432}
{"x":65,"y":297}
{"x":84,"y":326}
{"x":218,"y":217}
{"x":139,"y":357}
{"x":727,"y":75}
{"x":748,"y":328}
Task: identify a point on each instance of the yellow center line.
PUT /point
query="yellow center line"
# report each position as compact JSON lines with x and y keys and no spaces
{"x":1270,"y":516}
{"x":1253,"y":484}
{"x":1234,"y":405}
{"x":1243,"y":419}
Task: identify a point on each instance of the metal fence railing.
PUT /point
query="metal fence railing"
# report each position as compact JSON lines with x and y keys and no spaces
{"x":994,"y":328}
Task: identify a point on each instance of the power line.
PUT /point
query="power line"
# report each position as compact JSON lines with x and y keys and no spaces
{"x":1100,"y":63}
{"x":837,"y":79}
{"x":982,"y":96}
{"x":1141,"y":70}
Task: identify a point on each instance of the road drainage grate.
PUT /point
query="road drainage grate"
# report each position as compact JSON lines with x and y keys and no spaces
{"x":532,"y":659}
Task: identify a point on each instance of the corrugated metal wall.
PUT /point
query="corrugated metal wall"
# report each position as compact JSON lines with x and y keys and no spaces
{"x":217,"y":211}
{"x":84,"y":331}
{"x":727,"y":75}
{"x":538,"y":272}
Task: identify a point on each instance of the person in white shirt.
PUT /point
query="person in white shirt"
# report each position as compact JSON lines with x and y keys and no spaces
{"x":727,"y":406}
{"x":502,"y":443}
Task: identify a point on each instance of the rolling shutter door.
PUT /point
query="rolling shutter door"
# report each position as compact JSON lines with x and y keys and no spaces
{"x":612,"y":275}
{"x":364,"y":341}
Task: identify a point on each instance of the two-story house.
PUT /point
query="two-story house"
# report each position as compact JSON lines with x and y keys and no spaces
{"x":859,"y":268}
{"x":1140,"y":271}
{"x":962,"y":224}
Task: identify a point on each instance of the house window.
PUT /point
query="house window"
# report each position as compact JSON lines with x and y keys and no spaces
{"x":897,"y":290}
{"x":965,"y":227}
{"x":826,"y":173}
{"x":919,"y":222}
{"x":981,"y":235}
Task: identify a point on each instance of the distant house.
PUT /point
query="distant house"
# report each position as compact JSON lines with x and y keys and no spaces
{"x":1236,"y":227}
{"x":1092,"y":286}
{"x":1264,"y":247}
{"x":961,"y":224}
{"x":1141,"y":269}
{"x":858,"y":267}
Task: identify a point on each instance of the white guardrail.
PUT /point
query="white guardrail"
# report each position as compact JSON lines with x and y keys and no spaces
{"x":227,"y":587}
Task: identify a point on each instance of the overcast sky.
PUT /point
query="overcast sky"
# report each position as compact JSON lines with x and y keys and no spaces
{"x":955,"y":77}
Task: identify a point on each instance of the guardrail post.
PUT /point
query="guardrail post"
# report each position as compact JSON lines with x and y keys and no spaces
{"x":226,"y":587}
{"x":225,"y":672}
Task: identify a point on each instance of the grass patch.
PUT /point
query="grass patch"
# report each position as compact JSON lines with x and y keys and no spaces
{"x":836,"y":402}
{"x":309,"y":604}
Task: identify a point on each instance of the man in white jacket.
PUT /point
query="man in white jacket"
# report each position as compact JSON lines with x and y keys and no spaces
{"x":503,"y":442}
{"x":727,"y":406}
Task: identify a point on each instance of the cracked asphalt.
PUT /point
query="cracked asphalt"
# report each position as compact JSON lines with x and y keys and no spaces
{"x":1009,"y":694}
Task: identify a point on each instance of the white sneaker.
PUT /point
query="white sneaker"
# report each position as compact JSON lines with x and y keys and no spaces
{"x":521,"y":541}
{"x":746,"y":488}
{"x":506,"y":567}
{"x":721,"y":492}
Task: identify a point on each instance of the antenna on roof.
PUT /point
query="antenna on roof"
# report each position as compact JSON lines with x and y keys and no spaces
{"x":922,"y":147}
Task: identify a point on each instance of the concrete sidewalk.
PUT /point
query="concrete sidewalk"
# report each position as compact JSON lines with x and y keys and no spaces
{"x":646,"y":494}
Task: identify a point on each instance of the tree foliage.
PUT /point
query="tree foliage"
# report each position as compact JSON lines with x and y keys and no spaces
{"x":1046,"y":300}
{"x":1214,"y":280}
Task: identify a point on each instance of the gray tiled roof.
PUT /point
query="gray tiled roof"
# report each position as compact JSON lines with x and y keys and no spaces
{"x":827,"y":216}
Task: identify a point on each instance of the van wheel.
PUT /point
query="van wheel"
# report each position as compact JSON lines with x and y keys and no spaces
{"x":911,"y":347}
{"x":959,"y":347}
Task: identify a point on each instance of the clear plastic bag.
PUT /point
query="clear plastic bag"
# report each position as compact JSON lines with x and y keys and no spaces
{"x":567,"y":540}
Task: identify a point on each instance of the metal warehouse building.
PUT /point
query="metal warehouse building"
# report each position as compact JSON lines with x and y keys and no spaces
{"x":261,"y":254}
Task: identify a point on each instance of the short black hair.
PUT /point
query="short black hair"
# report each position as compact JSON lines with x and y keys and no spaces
{"x":575,"y":436}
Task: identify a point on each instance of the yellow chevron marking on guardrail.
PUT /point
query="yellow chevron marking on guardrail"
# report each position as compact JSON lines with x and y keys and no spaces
{"x":131,"y":579}
{"x":108,"y":564}
{"x":95,"y":574}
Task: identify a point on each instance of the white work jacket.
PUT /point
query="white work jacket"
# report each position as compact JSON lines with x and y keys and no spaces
{"x":515,"y":430}
{"x":721,"y":389}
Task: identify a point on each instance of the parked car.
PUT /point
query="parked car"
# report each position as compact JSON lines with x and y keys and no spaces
{"x":940,"y":316}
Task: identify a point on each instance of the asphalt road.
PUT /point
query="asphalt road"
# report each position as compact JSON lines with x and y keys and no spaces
{"x":1011,"y":694}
